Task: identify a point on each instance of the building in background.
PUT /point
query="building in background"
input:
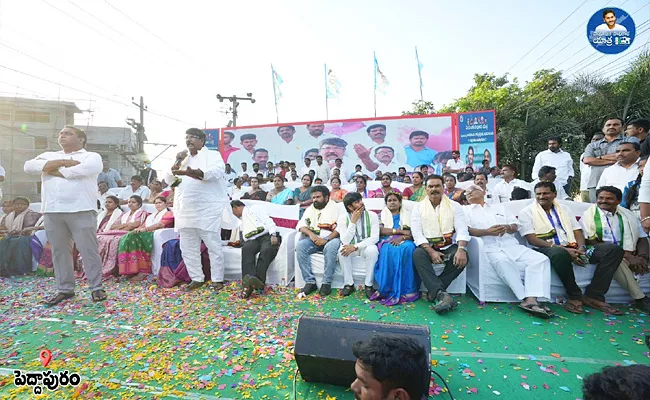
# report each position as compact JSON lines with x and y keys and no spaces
{"x":29,"y":127}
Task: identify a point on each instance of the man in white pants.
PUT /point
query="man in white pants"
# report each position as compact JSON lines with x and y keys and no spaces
{"x":359,"y":230}
{"x":496,"y":226}
{"x":69,"y":202}
{"x":199,"y":202}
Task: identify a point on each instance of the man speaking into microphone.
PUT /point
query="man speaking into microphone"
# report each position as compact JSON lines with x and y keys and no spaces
{"x":199,"y":201}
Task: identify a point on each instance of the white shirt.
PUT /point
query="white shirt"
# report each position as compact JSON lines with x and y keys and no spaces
{"x":456,"y":164}
{"x":290,"y":179}
{"x":460,"y":225}
{"x":605,"y":28}
{"x":503,"y":189}
{"x":261,"y":218}
{"x":612,"y":229}
{"x":322,"y":171}
{"x":393,"y":166}
{"x":349,"y":230}
{"x":561,"y":161}
{"x":102,"y":199}
{"x":398,"y":148}
{"x":644,"y":189}
{"x":618,"y":176}
{"x":483,"y":217}
{"x":127,"y":192}
{"x":490,"y":197}
{"x":585,"y":171}
{"x":304,"y":170}
{"x":195,"y":200}
{"x":492,"y":181}
{"x":237,"y":193}
{"x":343,"y":172}
{"x":77,"y":190}
{"x":230,"y":177}
{"x":527,"y":227}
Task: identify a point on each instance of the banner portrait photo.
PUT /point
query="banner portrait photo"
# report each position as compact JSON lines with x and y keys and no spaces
{"x":376,"y":144}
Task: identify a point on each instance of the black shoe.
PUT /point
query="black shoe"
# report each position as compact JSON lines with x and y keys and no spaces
{"x":431,"y":297}
{"x":216,"y":286}
{"x":445,"y":302}
{"x":256,"y":282}
{"x":309,"y":288}
{"x":347,"y":290}
{"x":643,"y":304}
{"x":369,"y":291}
{"x":325,"y":289}
{"x":193,"y":286}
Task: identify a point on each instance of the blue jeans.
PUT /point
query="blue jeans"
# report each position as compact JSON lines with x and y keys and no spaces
{"x":306,"y":248}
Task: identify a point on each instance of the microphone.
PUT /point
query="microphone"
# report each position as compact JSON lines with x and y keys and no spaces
{"x":180,"y":157}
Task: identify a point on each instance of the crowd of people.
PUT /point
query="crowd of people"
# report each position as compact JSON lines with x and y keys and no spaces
{"x":397,"y":247}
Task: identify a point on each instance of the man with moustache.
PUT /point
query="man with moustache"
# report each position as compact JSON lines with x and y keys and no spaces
{"x":331,"y":149}
{"x":481,"y":180}
{"x":417,"y":152}
{"x":322,"y":170}
{"x":557,"y":158}
{"x":245,"y":154}
{"x":440,"y":232}
{"x":199,"y":202}
{"x":376,"y":136}
{"x":319,"y":234}
{"x":601,"y":154}
{"x":359,"y":233}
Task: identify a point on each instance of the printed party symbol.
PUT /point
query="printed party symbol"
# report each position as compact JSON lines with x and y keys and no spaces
{"x":46,"y":357}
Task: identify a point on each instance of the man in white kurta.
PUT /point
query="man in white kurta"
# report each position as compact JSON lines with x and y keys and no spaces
{"x":496,"y":226}
{"x":359,"y":230}
{"x":199,"y":202}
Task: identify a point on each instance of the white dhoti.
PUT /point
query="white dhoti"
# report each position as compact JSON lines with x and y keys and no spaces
{"x":514,"y":265}
{"x":370,"y":255}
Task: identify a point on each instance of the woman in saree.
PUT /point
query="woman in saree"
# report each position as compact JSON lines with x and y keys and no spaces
{"x":415,"y":192}
{"x":109,"y":241}
{"x":280,"y":194}
{"x":386,"y":187}
{"x":15,"y":249}
{"x":451,"y":190}
{"x":134,"y":251}
{"x":255,"y":192}
{"x":337,"y":194}
{"x":302,"y":194}
{"x":394,"y":271}
{"x":156,"y":190}
{"x":362,"y":188}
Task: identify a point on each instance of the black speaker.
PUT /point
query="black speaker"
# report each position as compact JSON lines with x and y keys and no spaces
{"x":323,"y":348}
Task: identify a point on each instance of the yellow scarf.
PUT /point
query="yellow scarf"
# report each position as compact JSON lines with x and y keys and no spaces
{"x":438,"y":229}
{"x":386,"y":218}
{"x":545,"y":230}
{"x":324,"y":219}
{"x":594,"y":230}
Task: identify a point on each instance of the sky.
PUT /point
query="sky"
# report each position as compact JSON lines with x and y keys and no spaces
{"x":180,"y":55}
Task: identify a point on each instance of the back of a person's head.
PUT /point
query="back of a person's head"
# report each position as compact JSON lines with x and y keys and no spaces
{"x":519,"y":194}
{"x":618,"y":383}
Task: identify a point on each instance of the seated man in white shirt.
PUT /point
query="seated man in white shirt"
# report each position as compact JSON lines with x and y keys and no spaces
{"x":359,"y":232}
{"x":440,"y":232}
{"x":455,"y":165}
{"x":608,"y":222}
{"x":102,"y":192}
{"x":230,"y":175}
{"x":259,"y":235}
{"x":496,"y":226}
{"x":548,"y":174}
{"x":626,"y":168}
{"x":136,"y":188}
{"x":503,"y":189}
{"x":554,"y":231}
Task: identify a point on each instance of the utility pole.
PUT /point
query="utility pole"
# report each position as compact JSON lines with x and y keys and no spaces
{"x":235,"y":103}
{"x":138,"y":126}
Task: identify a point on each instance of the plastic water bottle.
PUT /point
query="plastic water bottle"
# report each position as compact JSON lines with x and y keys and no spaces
{"x":283,"y":285}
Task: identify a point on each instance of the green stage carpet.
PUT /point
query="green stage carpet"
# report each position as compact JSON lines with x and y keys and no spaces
{"x":146,"y":343}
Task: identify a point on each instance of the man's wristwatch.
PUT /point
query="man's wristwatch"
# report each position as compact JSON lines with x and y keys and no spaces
{"x":462,"y":248}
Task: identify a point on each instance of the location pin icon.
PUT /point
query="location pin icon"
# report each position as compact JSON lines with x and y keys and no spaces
{"x":46,"y":357}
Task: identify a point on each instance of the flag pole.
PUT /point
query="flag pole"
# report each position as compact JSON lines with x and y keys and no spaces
{"x":275,"y":96}
{"x":374,"y":92}
{"x":327,"y":112}
{"x":417,"y":58}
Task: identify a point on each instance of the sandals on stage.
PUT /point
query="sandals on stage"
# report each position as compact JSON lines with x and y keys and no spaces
{"x":536,"y":310}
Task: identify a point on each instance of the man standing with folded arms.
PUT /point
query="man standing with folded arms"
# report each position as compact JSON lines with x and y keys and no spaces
{"x":200,"y":198}
{"x":69,"y":197}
